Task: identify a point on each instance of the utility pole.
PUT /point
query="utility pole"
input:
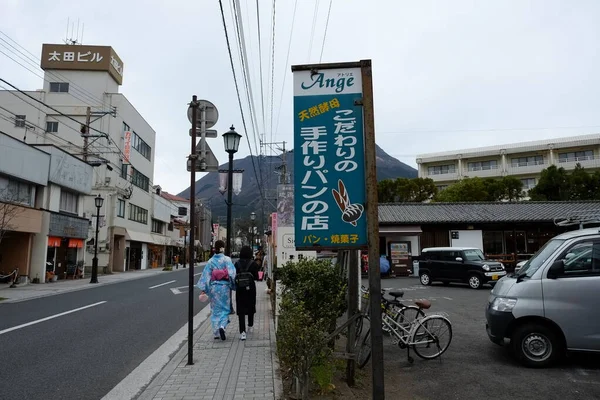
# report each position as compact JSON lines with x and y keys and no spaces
{"x":86,"y":132}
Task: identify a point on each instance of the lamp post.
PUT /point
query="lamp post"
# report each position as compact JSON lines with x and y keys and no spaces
{"x":231,"y":140}
{"x":252,"y":218}
{"x":98,"y":202}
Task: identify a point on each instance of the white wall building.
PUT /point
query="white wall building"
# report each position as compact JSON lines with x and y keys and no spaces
{"x":81,"y":83}
{"x":524,"y":160}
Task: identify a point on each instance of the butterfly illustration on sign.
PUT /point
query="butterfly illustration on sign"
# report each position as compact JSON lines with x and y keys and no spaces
{"x":351,"y":213}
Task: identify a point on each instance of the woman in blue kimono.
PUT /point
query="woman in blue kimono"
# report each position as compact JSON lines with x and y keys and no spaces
{"x":217,"y":279}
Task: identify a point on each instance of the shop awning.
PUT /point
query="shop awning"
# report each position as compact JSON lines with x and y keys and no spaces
{"x":76,"y":243}
{"x":54,"y":241}
{"x":161,"y":240}
{"x":139,"y":236}
{"x":401,"y":229}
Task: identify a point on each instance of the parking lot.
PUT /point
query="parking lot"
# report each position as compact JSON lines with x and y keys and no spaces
{"x":473,"y":367}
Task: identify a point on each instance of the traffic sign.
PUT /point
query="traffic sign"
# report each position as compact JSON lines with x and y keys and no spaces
{"x":210,"y":133}
{"x":212,"y":164}
{"x":212,"y":114}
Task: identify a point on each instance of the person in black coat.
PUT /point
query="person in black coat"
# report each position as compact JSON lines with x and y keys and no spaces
{"x":245,"y":300}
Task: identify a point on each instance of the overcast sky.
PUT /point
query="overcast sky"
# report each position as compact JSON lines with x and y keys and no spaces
{"x":447,"y":74}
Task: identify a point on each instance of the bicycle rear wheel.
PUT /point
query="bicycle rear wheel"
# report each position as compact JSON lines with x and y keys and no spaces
{"x":432,"y":336}
{"x":364,"y":350}
{"x":408,"y":314}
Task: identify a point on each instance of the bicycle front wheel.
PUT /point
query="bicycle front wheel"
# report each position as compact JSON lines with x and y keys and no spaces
{"x":364,"y":350}
{"x":432,"y":337}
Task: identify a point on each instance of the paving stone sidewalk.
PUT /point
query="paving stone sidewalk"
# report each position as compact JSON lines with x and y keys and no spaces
{"x":230,"y":369}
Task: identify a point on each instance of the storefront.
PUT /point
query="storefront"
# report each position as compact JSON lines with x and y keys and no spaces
{"x":66,"y":240}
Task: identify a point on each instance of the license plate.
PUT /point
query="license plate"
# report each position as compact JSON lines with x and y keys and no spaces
{"x":494,"y":277}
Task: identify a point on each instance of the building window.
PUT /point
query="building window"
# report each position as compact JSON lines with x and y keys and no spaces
{"x":68,"y":202}
{"x":121,"y":208}
{"x":20,"y":121}
{"x":124,"y":170}
{"x":441,"y":169}
{"x":125,"y":127}
{"x":157,"y":226}
{"x":170,"y":227}
{"x":51,"y":127}
{"x":527,"y":161}
{"x":138,"y":214}
{"x":441,"y":187}
{"x":14,"y":191}
{"x":140,"y":180}
{"x":528,"y":183}
{"x":483,"y":165}
{"x":59,"y":87}
{"x":141,"y":146}
{"x":574,"y":156}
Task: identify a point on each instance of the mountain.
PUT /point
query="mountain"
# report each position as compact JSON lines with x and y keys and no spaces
{"x":207,"y":187}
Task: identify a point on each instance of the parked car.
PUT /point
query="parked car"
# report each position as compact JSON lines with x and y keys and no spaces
{"x":458,"y":264}
{"x":520,"y":265}
{"x":550,"y":306}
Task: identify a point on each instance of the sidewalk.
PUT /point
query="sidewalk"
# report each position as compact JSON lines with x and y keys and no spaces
{"x":36,"y":290}
{"x":230,"y":369}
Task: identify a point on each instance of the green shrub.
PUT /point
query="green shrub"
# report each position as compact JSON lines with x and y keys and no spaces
{"x":168,"y":268}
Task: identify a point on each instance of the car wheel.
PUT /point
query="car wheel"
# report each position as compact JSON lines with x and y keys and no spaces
{"x":535,"y":345}
{"x":425,"y":279}
{"x":475,"y":281}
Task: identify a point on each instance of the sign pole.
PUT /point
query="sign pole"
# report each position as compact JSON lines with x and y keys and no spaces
{"x":193,"y":156}
{"x":372,"y":232}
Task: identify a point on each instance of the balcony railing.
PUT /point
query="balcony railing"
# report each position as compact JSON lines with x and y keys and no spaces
{"x":577,"y":159}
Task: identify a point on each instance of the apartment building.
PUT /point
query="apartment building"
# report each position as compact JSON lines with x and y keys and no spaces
{"x":80,"y":109}
{"x":524,"y":160}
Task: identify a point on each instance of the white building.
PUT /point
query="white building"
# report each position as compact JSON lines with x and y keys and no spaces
{"x":81,"y":83}
{"x":524,"y":160}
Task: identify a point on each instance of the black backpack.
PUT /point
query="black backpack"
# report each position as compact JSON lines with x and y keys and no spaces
{"x":244,"y":279}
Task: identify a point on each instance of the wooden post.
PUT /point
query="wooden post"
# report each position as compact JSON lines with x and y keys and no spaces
{"x":372,"y":232}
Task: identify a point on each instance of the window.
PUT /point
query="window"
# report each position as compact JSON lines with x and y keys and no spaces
{"x":170,"y":227}
{"x":540,"y":257}
{"x":51,"y":127}
{"x":141,"y":146}
{"x":124,"y":170}
{"x":59,"y":87}
{"x":483,"y":165}
{"x":68,"y":202}
{"x":449,"y":255}
{"x":526,"y":161}
{"x":20,"y":121}
{"x":582,"y":258}
{"x":138,"y":214}
{"x":441,"y":169}
{"x":576,"y":156}
{"x":121,"y":208}
{"x":473,"y":255}
{"x":157,"y":226}
{"x":528,"y":183}
{"x":14,"y":191}
{"x":140,"y":180}
{"x":125,"y":127}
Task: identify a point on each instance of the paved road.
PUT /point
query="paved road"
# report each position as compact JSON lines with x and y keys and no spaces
{"x":473,"y":367}
{"x":84,"y":354}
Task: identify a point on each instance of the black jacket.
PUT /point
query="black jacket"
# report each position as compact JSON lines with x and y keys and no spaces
{"x":245,"y":300}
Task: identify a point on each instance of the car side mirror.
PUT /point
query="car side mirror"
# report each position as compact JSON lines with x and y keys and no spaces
{"x":459,"y":259}
{"x":556,"y":269}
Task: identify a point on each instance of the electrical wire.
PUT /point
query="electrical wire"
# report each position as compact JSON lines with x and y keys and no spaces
{"x":325,"y":34}
{"x":260,"y":62}
{"x":312,"y":30}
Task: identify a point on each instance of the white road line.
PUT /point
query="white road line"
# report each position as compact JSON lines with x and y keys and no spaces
{"x":162,"y":284}
{"x":14,"y":328}
{"x":447,"y":298}
{"x":199,"y":273}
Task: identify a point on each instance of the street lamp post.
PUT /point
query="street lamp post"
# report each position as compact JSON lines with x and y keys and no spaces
{"x":98,"y":202}
{"x":232,"y":141}
{"x":252,"y":218}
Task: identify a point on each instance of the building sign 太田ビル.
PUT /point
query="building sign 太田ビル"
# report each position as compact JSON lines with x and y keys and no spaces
{"x":329,"y":172}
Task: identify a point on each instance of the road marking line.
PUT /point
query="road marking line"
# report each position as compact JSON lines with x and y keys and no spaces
{"x":199,"y":273}
{"x":162,"y":284}
{"x":447,"y":298}
{"x":14,"y":328}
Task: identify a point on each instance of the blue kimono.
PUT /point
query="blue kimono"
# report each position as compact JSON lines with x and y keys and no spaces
{"x":218,"y":291}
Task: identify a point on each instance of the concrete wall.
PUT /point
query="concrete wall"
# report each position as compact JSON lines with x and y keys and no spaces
{"x":468,"y":238}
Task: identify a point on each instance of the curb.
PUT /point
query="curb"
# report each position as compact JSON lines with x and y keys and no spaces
{"x":277,"y":382}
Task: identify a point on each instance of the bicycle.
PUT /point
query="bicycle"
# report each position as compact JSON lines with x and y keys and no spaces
{"x":400,"y":312}
{"x":418,"y":332}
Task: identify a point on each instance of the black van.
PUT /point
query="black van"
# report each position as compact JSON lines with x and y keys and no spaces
{"x":458,"y":264}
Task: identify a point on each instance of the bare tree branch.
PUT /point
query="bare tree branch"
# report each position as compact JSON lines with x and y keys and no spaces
{"x":9,"y":210}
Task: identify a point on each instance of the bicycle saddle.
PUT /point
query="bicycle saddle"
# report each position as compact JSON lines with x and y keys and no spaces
{"x":424,"y":304}
{"x":396,"y":293}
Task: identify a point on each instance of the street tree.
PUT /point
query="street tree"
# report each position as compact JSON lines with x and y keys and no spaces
{"x":9,"y":211}
{"x":553,"y":185}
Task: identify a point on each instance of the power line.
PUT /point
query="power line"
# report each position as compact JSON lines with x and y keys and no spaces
{"x":262,"y":93}
{"x":312,"y":30}
{"x":272,"y":73}
{"x":325,"y":34}
{"x":239,"y":97}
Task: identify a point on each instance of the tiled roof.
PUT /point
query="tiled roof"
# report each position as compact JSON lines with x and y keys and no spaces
{"x":523,"y":211}
{"x":172,"y":197}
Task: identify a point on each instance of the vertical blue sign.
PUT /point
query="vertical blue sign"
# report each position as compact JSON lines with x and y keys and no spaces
{"x":329,"y":160}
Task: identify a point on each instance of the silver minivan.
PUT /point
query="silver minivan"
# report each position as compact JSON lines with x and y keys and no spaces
{"x":551,"y":305}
